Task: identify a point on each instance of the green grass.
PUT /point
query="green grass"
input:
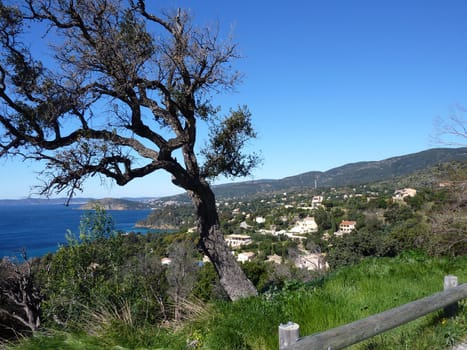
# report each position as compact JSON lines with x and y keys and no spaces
{"x":118,"y":339}
{"x":344,"y":296}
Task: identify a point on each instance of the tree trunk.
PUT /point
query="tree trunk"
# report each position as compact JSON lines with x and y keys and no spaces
{"x":232,"y":277}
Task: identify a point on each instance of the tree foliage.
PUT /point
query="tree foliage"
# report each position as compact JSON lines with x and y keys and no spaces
{"x":226,"y":139}
{"x":119,"y":99}
{"x":94,"y":225}
{"x":122,"y":93}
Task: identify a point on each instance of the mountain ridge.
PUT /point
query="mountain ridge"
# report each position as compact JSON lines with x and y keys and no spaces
{"x":356,"y":173}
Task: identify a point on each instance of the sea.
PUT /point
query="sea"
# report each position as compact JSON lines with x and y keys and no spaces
{"x":41,"y":229}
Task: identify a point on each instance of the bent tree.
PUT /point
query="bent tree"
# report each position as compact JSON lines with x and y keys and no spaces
{"x":111,"y":88}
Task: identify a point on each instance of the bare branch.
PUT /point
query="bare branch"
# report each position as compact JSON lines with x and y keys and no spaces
{"x":452,"y":130}
{"x":140,"y":5}
{"x":22,"y":297}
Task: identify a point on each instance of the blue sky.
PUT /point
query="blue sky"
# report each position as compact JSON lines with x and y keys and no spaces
{"x":328,"y":82}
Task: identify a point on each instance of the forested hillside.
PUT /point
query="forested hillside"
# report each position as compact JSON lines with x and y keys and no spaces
{"x":347,"y":175}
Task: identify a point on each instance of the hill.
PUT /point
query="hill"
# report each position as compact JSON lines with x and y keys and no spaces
{"x":43,"y":201}
{"x":347,"y":175}
{"x":115,"y":204}
{"x":351,"y":174}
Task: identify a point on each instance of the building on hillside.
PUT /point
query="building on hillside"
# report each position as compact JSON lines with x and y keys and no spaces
{"x":307,"y":225}
{"x":260,"y":220}
{"x":263,"y":231}
{"x":313,"y":261}
{"x":399,"y":195}
{"x":293,"y":237}
{"x":346,"y":226}
{"x":235,"y":241}
{"x":316,"y":202}
{"x":245,"y":256}
{"x":276,"y":259}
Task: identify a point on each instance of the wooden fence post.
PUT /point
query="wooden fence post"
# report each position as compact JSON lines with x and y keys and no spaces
{"x":288,"y":334}
{"x":357,"y":331}
{"x":450,"y":282}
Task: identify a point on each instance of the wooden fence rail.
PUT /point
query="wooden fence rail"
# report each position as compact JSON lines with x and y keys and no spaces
{"x":341,"y":337}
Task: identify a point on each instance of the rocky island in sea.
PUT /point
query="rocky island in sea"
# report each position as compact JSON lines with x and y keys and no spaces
{"x":115,"y":204}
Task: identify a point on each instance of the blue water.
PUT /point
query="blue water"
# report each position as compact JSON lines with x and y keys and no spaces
{"x":40,"y":229}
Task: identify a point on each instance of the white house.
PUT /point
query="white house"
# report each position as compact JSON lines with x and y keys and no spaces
{"x":405,"y":192}
{"x":260,"y":220}
{"x":235,"y":241}
{"x":306,"y":225}
{"x":313,"y":261}
{"x":316,"y":202}
{"x":245,"y":256}
{"x":276,"y":259}
{"x":347,"y":226}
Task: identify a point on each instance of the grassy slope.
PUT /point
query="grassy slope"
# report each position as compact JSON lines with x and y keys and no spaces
{"x":348,"y":295}
{"x":344,"y":296}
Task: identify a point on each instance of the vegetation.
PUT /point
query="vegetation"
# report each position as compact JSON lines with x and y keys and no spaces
{"x":180,"y":217}
{"x":122,"y":95}
{"x":104,"y":289}
{"x":107,"y":290}
{"x":404,"y":170}
{"x":20,"y":299}
{"x":115,"y":204}
{"x":348,"y":294}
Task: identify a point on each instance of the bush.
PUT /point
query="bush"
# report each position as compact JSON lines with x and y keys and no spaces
{"x":351,"y":248}
{"x":101,"y":269}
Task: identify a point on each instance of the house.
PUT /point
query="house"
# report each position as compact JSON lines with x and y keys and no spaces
{"x":347,"y":226}
{"x":316,"y":202}
{"x":399,"y":195}
{"x":292,"y":236}
{"x":306,"y":225}
{"x":245,"y":256}
{"x":313,"y":261}
{"x":276,"y":259}
{"x":260,"y":220}
{"x":235,"y":241}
